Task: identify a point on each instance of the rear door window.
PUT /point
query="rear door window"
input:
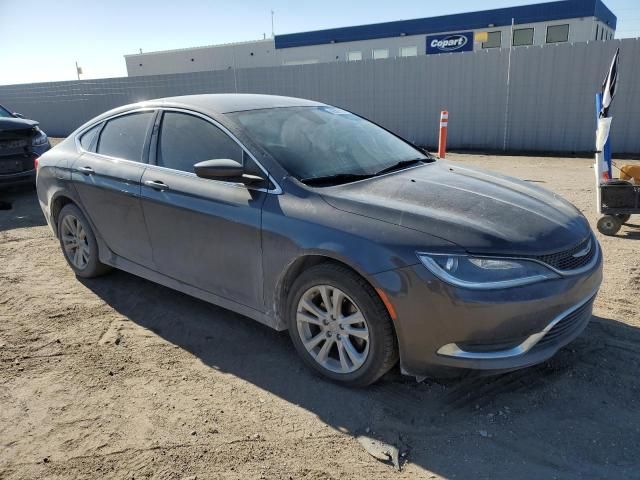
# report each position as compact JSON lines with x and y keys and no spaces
{"x":186,"y":140}
{"x":125,"y":136}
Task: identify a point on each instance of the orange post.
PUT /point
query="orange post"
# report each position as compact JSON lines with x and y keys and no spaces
{"x":442,"y":139}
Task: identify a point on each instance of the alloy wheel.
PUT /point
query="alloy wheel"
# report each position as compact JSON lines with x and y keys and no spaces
{"x":333,"y":329}
{"x":75,"y":242}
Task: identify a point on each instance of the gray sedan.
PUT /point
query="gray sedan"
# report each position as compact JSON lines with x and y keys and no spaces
{"x":309,"y":218}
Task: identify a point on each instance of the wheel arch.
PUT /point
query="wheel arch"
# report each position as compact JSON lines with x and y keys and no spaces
{"x":304,"y":262}
{"x":57,"y":204}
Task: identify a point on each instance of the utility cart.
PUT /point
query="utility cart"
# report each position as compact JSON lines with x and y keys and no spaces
{"x":619,"y":200}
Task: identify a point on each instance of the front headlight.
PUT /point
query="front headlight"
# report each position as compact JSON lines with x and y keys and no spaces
{"x":40,"y":138}
{"x":482,"y":273}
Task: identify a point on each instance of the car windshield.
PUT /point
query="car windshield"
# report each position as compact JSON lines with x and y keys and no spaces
{"x":4,"y":113}
{"x":319,"y":142}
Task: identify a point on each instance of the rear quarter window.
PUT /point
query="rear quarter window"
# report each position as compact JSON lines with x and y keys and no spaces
{"x":88,"y":138}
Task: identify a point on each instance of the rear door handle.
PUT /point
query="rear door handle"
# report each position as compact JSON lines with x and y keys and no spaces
{"x":86,"y":170}
{"x":156,"y":185}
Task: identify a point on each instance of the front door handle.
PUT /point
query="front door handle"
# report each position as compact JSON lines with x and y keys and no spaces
{"x":86,"y":170}
{"x":157,"y":185}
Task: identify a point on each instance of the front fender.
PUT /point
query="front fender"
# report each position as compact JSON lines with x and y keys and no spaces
{"x":295,"y":227}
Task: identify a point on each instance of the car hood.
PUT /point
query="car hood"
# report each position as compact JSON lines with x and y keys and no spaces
{"x":482,"y":212}
{"x":10,"y":124}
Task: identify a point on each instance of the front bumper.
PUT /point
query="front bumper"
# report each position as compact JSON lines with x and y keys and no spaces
{"x":443,"y":329}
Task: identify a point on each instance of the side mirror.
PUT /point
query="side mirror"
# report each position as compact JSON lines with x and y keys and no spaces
{"x":18,"y":115}
{"x":226,"y":170}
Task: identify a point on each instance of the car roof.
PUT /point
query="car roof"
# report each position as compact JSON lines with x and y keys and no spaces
{"x":212,"y":103}
{"x":232,"y":102}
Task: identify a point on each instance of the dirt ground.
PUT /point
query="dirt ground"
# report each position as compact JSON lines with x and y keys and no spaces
{"x":120,"y":378}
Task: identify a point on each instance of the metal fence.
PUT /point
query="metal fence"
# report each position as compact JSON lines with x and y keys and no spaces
{"x":548,"y":105}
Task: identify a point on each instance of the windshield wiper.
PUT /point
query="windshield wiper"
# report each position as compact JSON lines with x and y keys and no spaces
{"x":400,"y":165}
{"x":335,"y":179}
{"x":339,"y":178}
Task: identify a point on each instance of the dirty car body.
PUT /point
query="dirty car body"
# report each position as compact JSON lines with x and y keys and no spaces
{"x":21,"y":142}
{"x":472,"y":270}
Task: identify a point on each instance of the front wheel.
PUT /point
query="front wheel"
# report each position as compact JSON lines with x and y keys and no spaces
{"x":340,"y":327}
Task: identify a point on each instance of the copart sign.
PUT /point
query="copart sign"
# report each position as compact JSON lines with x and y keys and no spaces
{"x":450,"y":43}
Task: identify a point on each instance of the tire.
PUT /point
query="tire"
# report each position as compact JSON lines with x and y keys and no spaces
{"x":609,"y":225}
{"x":349,"y":359}
{"x":74,"y":229}
{"x":623,"y":217}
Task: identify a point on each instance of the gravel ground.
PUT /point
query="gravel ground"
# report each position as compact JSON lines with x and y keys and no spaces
{"x":120,"y":378}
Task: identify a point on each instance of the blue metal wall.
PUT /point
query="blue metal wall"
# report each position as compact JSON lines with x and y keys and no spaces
{"x":543,"y":12}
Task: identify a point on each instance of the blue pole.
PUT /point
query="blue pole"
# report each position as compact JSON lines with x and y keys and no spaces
{"x":607,"y":146}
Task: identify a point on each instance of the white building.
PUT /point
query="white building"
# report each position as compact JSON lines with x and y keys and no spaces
{"x":540,"y":24}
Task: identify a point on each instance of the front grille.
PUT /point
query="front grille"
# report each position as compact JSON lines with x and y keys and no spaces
{"x":569,"y":325}
{"x":572,"y":259}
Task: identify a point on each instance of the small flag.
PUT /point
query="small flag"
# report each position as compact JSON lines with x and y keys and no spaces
{"x":609,"y":86}
{"x":79,"y":69}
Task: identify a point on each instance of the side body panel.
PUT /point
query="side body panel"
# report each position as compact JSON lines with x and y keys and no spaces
{"x":54,"y":179}
{"x":109,"y":190}
{"x":206,"y":233}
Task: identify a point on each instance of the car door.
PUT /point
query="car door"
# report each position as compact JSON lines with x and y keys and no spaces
{"x":204,"y":232}
{"x":107,"y":178}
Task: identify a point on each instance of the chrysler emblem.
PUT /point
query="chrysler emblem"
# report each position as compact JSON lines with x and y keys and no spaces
{"x":584,"y":252}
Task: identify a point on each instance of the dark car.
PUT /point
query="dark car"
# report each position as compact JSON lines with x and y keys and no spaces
{"x":309,"y":218}
{"x":21,"y":143}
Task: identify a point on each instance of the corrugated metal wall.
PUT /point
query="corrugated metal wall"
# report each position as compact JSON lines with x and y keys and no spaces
{"x":549,"y":106}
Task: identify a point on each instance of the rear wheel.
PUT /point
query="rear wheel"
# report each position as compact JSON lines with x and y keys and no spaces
{"x":340,"y":327}
{"x":78,"y":243}
{"x":609,"y":225}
